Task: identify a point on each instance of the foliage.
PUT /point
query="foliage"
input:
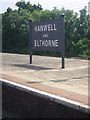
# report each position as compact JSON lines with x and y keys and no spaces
{"x":15,"y":30}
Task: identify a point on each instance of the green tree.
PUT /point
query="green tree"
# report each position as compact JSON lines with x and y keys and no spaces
{"x":28,"y":6}
{"x":15,"y":30}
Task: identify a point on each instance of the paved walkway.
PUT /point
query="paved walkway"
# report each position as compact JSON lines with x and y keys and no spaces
{"x":46,"y":74}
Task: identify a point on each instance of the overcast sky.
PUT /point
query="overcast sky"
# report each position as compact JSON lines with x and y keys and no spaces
{"x":75,"y":5}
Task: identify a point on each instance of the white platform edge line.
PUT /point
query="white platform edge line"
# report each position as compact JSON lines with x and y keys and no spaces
{"x":61,"y":100}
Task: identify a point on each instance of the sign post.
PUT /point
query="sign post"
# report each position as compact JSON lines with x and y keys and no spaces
{"x":48,"y":36}
{"x":30,"y":41}
{"x":63,"y":42}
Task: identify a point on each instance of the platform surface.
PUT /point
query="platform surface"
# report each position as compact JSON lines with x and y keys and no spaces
{"x":45,"y":74}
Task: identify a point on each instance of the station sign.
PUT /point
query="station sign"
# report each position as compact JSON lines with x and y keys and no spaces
{"x":47,"y":36}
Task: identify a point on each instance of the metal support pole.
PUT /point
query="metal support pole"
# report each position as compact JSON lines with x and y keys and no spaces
{"x":30,"y":41}
{"x":63,"y":41}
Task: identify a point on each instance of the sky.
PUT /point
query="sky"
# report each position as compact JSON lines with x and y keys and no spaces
{"x":75,"y":5}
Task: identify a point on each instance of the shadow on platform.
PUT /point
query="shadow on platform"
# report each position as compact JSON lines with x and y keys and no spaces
{"x":28,"y":66}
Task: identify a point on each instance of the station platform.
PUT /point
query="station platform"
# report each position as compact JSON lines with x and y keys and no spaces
{"x":46,"y":78}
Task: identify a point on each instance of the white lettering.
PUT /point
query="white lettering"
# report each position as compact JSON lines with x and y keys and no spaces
{"x":55,"y":27}
{"x":35,"y":28}
{"x":45,"y":27}
{"x":48,"y":27}
{"x":46,"y":43}
{"x":35,"y":44}
{"x":56,"y":43}
{"x":40,"y":42}
{"x":38,"y":28}
{"x":52,"y":27}
{"x":43,"y":43}
{"x":45,"y":35}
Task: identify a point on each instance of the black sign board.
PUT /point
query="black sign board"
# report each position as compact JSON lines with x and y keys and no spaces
{"x":47,"y":36}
